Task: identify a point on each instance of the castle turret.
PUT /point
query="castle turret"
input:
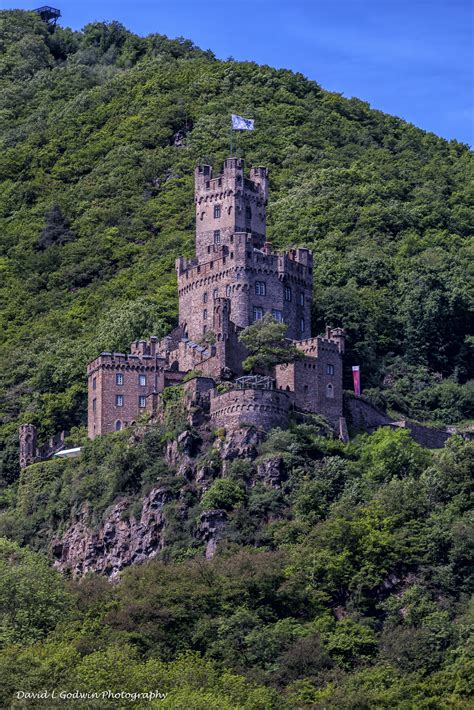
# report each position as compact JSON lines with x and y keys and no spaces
{"x":28,"y":445}
{"x":338,"y":335}
{"x":229,"y":203}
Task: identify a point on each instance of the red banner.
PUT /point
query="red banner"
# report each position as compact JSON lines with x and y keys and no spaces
{"x":356,"y":378}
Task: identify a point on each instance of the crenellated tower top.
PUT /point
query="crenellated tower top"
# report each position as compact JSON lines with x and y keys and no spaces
{"x":229,"y":203}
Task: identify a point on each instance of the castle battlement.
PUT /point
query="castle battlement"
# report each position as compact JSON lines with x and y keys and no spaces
{"x":235,"y":278}
{"x":255,"y":407}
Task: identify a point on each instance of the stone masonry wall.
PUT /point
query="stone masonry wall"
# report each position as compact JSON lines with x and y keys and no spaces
{"x":314,"y":384}
{"x":104,"y":375}
{"x":238,"y":274}
{"x":261,"y":408}
{"x":229,"y":203}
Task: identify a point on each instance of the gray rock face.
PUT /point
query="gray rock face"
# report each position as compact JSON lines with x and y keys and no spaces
{"x":272,"y":472}
{"x":240,"y":443}
{"x":120,"y":542}
{"x":123,"y":539}
{"x":211,"y":527}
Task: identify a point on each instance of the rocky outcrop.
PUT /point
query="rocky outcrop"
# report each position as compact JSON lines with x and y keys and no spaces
{"x":124,"y":539}
{"x":120,"y":541}
{"x":240,"y":443}
{"x":272,"y":472}
{"x":211,"y":527}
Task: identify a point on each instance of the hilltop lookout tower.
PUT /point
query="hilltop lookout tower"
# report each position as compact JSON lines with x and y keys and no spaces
{"x":48,"y":14}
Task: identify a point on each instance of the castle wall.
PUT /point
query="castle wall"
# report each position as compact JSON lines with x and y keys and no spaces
{"x":237,"y":273}
{"x":428,"y":437}
{"x":314,"y":383}
{"x":363,"y":416}
{"x":106,"y":412}
{"x":240,"y":407}
{"x":30,"y":452}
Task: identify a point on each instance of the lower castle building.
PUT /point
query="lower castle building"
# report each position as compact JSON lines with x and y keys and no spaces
{"x":234,"y":279}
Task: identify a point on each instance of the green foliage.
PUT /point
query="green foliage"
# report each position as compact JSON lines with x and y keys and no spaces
{"x":346,"y":586}
{"x":390,"y":454}
{"x":32,"y":596}
{"x":223,"y":493}
{"x":362,"y":598}
{"x":56,"y":230}
{"x":266,"y":342}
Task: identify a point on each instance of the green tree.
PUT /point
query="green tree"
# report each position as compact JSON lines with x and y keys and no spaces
{"x":33,"y":598}
{"x":223,"y":493}
{"x":267,"y":344}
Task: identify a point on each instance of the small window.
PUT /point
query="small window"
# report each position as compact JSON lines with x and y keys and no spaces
{"x":94,"y":405}
{"x":204,"y":314}
{"x":277,"y":315}
{"x":287,"y":293}
{"x":215,"y":293}
{"x":142,"y":380}
{"x":118,"y":425}
{"x":231,"y":238}
{"x":228,"y":291}
{"x":142,"y":401}
{"x":217,"y":211}
{"x":302,"y":325}
{"x":260,"y":288}
{"x":329,"y":369}
{"x":257,"y":313}
{"x":119,"y":379}
{"x":330,"y":391}
{"x":119,"y":400}
{"x":94,"y":383}
{"x":208,"y":250}
{"x":217,"y":236}
{"x":301,"y":299}
{"x":204,"y":329}
{"x":204,"y":297}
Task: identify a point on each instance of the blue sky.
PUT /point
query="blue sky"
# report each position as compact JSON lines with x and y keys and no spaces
{"x":410,"y":58}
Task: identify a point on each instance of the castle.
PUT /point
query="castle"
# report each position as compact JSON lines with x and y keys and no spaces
{"x":234,"y":279}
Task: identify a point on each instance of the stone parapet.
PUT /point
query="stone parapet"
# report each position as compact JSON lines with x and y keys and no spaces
{"x":239,"y":407}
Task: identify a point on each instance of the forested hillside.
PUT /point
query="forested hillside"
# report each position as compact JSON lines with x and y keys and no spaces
{"x":346,"y":586}
{"x":101,"y":131}
{"x":341,"y":581}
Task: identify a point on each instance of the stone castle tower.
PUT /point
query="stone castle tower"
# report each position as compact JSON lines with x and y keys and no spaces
{"x":234,"y":279}
{"x":234,"y":261}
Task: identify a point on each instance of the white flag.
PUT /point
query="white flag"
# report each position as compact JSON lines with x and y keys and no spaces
{"x":239,"y":123}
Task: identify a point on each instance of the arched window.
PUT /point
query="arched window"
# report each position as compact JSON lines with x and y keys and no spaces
{"x":330,"y":391}
{"x":118,"y":425}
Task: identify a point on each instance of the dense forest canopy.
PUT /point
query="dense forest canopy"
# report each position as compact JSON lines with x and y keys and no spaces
{"x":347,"y":587}
{"x":101,"y":130}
